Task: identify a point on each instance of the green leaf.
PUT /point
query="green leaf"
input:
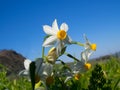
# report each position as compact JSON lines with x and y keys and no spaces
{"x":63,"y":50}
{"x":69,"y":55}
{"x":32,"y":74}
{"x":116,"y":84}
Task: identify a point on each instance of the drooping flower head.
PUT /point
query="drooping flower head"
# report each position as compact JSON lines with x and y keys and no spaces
{"x":85,"y":57}
{"x":83,"y":65}
{"x":58,"y":37}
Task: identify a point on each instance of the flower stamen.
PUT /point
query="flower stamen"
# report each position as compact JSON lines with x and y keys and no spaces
{"x":77,"y":76}
{"x":61,"y":34}
{"x":49,"y":80}
{"x":87,"y":66}
{"x":93,"y":47}
{"x":37,"y":78}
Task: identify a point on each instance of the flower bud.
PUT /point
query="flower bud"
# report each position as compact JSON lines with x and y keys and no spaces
{"x":52,"y":55}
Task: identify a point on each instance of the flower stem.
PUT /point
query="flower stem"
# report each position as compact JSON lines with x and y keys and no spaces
{"x":78,"y":43}
{"x":44,"y":85}
{"x":43,"y":50}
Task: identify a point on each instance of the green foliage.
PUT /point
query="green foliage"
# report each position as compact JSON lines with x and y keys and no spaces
{"x":19,"y":83}
{"x":98,"y":80}
{"x":103,"y":76}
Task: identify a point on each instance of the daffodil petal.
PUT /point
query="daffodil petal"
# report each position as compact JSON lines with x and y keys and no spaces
{"x":55,"y":26}
{"x":27,"y":64}
{"x":41,"y":70}
{"x":64,"y":26}
{"x":89,"y":54}
{"x":48,"y":30}
{"x":38,"y":64}
{"x":78,"y":66}
{"x":86,"y":38}
{"x":23,"y":73}
{"x":59,"y":47}
{"x":68,"y":40}
{"x":67,"y":79}
{"x":50,"y":41}
{"x":48,"y":69}
{"x":86,"y":46}
{"x":86,"y":54}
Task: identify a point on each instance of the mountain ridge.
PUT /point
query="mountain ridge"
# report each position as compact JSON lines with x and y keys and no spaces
{"x":12,"y":60}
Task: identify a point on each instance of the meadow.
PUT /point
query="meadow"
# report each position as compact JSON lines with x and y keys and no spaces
{"x":104,"y":75}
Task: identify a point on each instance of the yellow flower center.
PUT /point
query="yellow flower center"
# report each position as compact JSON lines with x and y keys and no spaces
{"x":61,"y":34}
{"x":77,"y":76}
{"x":93,"y":47}
{"x":49,"y":80}
{"x":37,"y":78}
{"x":87,"y":66}
{"x":37,"y":85}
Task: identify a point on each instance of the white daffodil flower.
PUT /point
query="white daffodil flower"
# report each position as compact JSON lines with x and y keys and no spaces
{"x":38,"y":64}
{"x":57,"y":36}
{"x":82,"y":65}
{"x":26,"y":65}
{"x":85,"y":57}
{"x":88,"y":45}
{"x":73,"y":74}
{"x":42,"y":70}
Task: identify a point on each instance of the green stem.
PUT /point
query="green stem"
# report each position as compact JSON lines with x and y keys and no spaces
{"x":44,"y":85}
{"x":78,"y":43}
{"x":43,"y":50}
{"x":116,"y":84}
{"x":61,"y":62}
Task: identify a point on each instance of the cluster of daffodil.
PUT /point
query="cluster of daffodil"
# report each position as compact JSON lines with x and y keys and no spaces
{"x":42,"y":72}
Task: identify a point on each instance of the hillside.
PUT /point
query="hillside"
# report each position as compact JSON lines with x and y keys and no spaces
{"x":12,"y":60}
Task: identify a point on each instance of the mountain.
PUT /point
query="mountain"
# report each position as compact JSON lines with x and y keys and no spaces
{"x":12,"y":60}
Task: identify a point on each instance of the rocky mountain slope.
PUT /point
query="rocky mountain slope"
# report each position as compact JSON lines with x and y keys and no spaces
{"x":12,"y":60}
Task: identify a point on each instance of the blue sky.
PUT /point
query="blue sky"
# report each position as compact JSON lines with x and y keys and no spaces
{"x":21,"y":24}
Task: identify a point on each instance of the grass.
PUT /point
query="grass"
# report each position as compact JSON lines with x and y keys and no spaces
{"x":102,"y":76}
